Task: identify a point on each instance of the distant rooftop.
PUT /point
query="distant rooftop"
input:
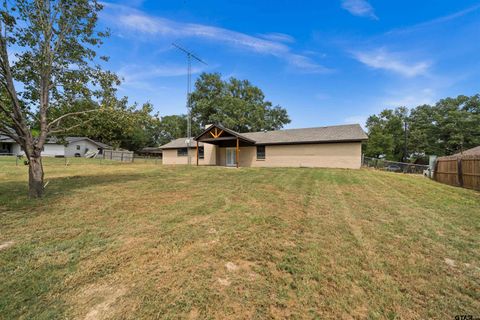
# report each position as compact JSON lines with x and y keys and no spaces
{"x":470,"y":152}
{"x":53,"y":140}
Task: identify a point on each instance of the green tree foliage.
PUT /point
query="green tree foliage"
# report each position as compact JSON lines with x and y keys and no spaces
{"x":449,"y":126}
{"x":236,"y":104}
{"x":119,"y":125}
{"x":171,"y":127}
{"x":54,"y":43}
{"x":386,"y":134}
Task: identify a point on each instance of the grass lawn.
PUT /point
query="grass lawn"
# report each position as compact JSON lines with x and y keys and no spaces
{"x":141,"y":240}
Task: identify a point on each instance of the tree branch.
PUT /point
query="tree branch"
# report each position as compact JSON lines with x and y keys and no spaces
{"x":21,"y":127}
{"x":72,"y":127}
{"x":69,"y":115}
{"x":5,"y":130}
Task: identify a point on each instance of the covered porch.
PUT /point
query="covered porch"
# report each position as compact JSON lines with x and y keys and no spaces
{"x":225,"y":140}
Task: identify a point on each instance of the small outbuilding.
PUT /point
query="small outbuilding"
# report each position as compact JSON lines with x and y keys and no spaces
{"x":150,"y":152}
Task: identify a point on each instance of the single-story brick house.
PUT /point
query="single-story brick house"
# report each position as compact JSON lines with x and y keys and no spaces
{"x":334,"y":147}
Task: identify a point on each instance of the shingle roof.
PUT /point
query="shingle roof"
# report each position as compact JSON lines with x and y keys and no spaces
{"x":470,"y":152}
{"x":179,"y":143}
{"x":5,"y":138}
{"x":54,"y":140}
{"x":340,"y":133}
{"x":151,"y":150}
{"x":75,"y":139}
{"x":348,"y":132}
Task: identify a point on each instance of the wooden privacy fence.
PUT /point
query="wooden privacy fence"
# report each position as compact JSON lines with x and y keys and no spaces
{"x":461,"y":171}
{"x":124,"y":156}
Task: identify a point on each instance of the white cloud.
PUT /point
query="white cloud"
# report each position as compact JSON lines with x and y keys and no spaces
{"x":436,"y":21}
{"x":394,"y":62}
{"x":280,"y":37}
{"x":410,"y":98}
{"x":306,"y":64}
{"x":135,"y":21}
{"x":360,"y":8}
{"x":140,"y":77}
{"x":142,"y":72}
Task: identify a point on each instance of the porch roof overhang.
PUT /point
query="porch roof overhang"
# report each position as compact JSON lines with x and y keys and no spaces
{"x":223,"y":137}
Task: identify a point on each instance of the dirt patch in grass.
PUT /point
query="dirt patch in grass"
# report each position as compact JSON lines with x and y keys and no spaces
{"x":100,"y":302}
{"x":5,"y":245}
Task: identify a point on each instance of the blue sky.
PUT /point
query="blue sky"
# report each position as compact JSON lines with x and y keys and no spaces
{"x":327,"y":62}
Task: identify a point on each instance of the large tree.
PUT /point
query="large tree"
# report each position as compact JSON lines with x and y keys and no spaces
{"x":47,"y":61}
{"x":458,"y":121}
{"x":237,"y":104}
{"x":386,"y":134}
{"x":172,"y":127}
{"x":451,"y":125}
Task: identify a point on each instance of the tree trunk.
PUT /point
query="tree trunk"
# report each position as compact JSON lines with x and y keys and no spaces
{"x":35,"y":177}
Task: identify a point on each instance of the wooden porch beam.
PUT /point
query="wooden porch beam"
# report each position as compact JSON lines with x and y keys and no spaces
{"x":237,"y":150}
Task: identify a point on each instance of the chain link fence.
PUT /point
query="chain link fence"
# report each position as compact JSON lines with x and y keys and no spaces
{"x":394,"y":166}
{"x":52,"y":160}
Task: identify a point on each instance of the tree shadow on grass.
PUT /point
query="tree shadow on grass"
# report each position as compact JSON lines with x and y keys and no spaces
{"x":14,"y":194}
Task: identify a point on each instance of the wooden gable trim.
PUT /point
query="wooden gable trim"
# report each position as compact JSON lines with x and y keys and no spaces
{"x":216,"y":134}
{"x":219,"y":132}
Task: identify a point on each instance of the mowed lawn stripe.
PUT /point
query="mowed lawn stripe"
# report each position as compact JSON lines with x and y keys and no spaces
{"x":142,"y":240}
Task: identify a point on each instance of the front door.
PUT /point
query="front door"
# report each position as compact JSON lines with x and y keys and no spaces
{"x":231,"y":157}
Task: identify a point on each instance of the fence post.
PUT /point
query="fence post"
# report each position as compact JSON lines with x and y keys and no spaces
{"x":121,"y":156}
{"x":459,"y":172}
{"x":435,"y":168}
{"x":16,"y":160}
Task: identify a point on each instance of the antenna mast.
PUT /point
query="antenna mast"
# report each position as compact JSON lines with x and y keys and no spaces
{"x":190,"y":55}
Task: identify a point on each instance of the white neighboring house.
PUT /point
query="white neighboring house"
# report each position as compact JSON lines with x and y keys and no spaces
{"x":75,"y":147}
{"x":79,"y":146}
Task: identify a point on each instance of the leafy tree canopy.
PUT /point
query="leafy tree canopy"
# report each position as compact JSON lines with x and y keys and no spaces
{"x":120,"y":125}
{"x":171,"y":127}
{"x":449,"y":126}
{"x":237,"y":104}
{"x":48,"y":59}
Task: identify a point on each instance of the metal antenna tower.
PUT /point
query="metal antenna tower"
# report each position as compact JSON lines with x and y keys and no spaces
{"x":190,"y":55}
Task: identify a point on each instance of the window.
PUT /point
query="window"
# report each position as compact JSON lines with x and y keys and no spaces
{"x":201,"y":153}
{"x":260,"y":152}
{"x":78,"y":147}
{"x":182,"y":152}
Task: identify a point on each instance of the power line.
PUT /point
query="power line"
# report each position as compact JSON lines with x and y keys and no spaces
{"x":190,"y":55}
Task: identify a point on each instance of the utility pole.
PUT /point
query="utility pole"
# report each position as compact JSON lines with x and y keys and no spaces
{"x":406,"y":138}
{"x":190,"y":55}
